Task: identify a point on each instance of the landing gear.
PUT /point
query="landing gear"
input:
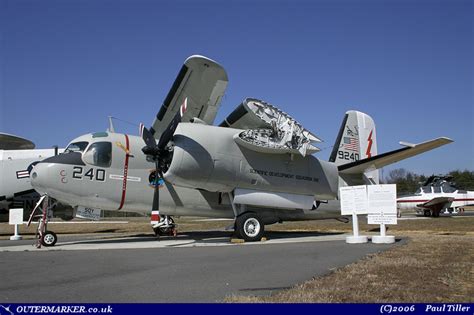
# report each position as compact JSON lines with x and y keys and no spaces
{"x":165,"y":227}
{"x":431,"y":213}
{"x":249,"y":226}
{"x":43,"y":236}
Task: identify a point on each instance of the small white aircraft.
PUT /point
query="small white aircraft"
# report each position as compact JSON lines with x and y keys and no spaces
{"x":437,"y":194}
{"x":256,"y":167}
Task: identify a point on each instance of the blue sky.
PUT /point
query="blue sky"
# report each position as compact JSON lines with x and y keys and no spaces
{"x":67,"y":65}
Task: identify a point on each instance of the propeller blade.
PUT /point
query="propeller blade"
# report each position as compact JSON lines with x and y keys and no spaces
{"x":148,"y":138}
{"x":156,"y":198}
{"x":156,"y":194}
{"x":169,"y":131}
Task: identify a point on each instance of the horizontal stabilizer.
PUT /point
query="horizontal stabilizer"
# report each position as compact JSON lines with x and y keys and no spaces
{"x":381,"y":160}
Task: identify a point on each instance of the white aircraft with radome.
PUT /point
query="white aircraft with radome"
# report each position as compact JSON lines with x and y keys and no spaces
{"x":17,"y":157}
{"x":255,"y":167}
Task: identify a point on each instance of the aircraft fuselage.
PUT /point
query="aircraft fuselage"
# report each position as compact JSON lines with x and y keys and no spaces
{"x":122,"y":179}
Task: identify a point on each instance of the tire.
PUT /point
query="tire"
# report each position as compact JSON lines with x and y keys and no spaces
{"x":49,"y":239}
{"x":427,"y":213}
{"x":163,"y":231}
{"x":167,"y":231}
{"x":249,"y":227}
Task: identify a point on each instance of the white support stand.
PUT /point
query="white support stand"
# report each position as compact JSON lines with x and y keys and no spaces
{"x":16,"y":218}
{"x":16,"y":236}
{"x":356,"y":238}
{"x":382,"y":238}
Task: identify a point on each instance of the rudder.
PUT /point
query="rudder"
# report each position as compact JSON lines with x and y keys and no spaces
{"x":356,"y":140}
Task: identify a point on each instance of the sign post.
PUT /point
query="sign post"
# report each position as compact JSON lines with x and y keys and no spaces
{"x":16,"y":218}
{"x":382,"y":204}
{"x":354,"y":202}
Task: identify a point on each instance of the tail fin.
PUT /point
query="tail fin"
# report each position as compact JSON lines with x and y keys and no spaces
{"x":356,"y":140}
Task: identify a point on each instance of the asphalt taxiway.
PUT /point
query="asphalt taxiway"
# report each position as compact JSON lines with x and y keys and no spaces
{"x":195,"y":267}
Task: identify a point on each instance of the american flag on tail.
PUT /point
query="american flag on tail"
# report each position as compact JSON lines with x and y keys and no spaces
{"x":351,"y":144}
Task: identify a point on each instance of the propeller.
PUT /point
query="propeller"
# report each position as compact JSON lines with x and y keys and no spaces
{"x":158,"y":152}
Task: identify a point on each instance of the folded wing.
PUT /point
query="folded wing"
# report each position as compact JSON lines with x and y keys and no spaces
{"x":268,"y":129}
{"x":203,"y":82}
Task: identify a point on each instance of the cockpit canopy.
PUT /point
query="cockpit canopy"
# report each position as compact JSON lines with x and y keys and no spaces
{"x":79,"y":146}
{"x":97,"y":153}
{"x":438,"y":186}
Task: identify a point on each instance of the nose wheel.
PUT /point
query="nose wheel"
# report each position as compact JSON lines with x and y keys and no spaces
{"x":49,"y":238}
{"x":44,"y":237}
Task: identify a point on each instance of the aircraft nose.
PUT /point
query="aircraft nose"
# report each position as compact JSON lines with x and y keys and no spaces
{"x":38,"y":177}
{"x":51,"y":174}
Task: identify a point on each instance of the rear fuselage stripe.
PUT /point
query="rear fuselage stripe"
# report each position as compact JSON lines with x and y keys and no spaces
{"x":419,"y":200}
{"x":125,"y":173}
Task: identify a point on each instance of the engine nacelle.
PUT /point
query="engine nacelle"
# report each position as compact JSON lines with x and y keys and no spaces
{"x":207,"y":157}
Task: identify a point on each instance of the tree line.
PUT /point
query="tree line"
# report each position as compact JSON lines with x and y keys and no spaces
{"x":408,"y":182}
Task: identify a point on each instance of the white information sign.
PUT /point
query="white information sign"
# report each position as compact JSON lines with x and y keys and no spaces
{"x":353,"y":200}
{"x":15,"y":216}
{"x":88,"y":213}
{"x":382,"y":219}
{"x":382,"y":204}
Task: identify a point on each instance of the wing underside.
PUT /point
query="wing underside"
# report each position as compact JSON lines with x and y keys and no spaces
{"x":438,"y":202}
{"x":202,"y":82}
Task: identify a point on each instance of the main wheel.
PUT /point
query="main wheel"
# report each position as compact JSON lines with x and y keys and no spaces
{"x":49,"y":238}
{"x":249,"y":227}
{"x":427,"y":213}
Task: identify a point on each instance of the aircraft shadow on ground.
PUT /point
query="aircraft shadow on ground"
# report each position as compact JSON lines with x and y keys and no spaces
{"x":201,"y":237}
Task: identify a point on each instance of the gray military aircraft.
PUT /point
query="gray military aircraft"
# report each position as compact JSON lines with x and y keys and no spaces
{"x":256,"y":167}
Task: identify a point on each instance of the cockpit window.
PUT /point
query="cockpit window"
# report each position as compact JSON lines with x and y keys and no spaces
{"x":101,"y":153}
{"x":447,"y":188}
{"x":76,"y":147}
